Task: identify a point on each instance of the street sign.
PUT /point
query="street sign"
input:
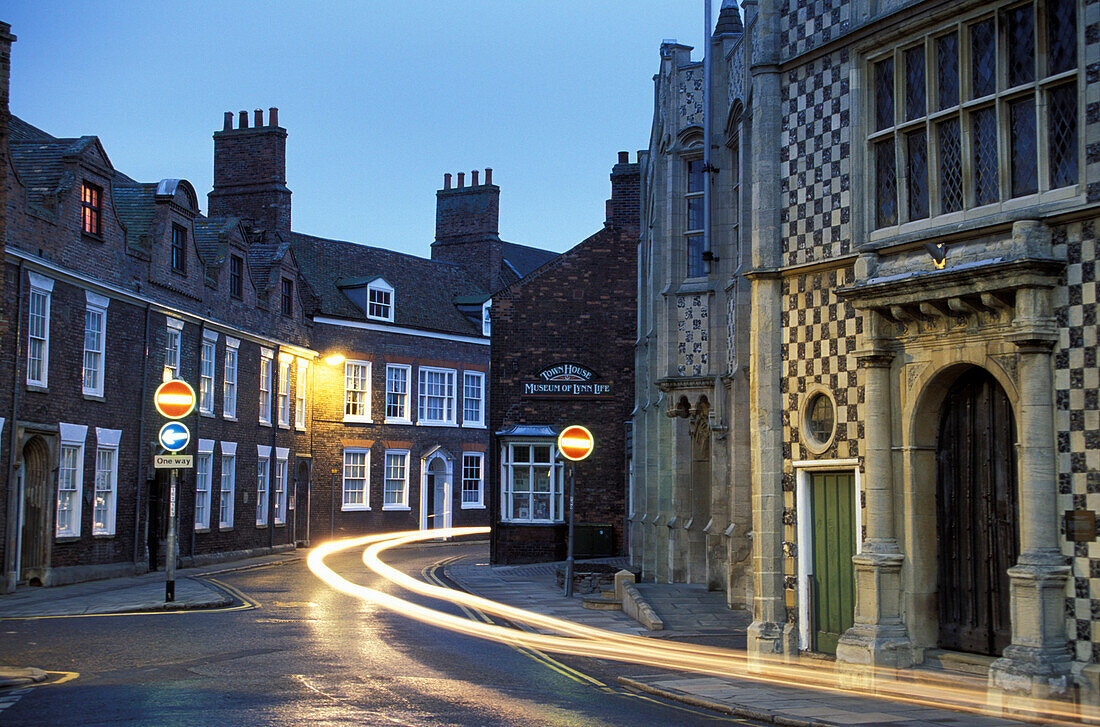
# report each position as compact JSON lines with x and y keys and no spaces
{"x":575,"y":442}
{"x":172,"y":461}
{"x":174,"y":399}
{"x":174,"y":436}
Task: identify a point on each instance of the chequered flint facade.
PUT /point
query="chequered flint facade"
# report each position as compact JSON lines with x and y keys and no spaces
{"x":868,"y":98}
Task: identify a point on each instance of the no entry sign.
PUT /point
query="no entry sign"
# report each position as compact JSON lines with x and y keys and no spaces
{"x":575,"y":442}
{"x":174,"y":399}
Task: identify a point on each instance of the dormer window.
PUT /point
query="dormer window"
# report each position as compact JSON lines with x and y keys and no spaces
{"x":380,"y":300}
{"x":286,"y":299}
{"x":179,"y":248}
{"x":236,"y":276}
{"x":91,"y":209}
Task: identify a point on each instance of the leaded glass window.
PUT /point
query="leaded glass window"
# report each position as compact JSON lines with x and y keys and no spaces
{"x":990,"y":107}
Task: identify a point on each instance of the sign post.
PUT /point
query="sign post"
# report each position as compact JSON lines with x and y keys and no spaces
{"x":575,"y":443}
{"x":174,"y":399}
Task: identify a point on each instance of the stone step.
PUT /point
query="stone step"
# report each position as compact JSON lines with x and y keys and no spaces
{"x":602,"y":603}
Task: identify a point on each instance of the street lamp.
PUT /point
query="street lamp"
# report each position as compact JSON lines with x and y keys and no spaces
{"x":334,"y":359}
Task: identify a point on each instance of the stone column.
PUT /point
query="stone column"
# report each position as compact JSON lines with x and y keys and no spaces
{"x":770,"y":633}
{"x":878,"y":636}
{"x":1038,"y":661}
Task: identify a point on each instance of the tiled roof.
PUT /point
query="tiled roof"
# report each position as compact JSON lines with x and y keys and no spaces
{"x":211,"y":236}
{"x":424,"y":290}
{"x":264,"y":255}
{"x":523,"y":259}
{"x":135,"y":206}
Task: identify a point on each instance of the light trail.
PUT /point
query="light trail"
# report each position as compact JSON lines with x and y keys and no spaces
{"x":580,"y":640}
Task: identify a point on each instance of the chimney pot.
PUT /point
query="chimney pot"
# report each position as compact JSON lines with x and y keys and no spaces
{"x":447,"y":180}
{"x":228,"y":125}
{"x":273,"y":116}
{"x":473,"y":178}
{"x":243,"y":121}
{"x":488,"y":175}
{"x":461,"y":180}
{"x":624,"y":157}
{"x":259,"y":118}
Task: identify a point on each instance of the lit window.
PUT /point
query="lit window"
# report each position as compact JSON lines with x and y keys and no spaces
{"x":38,"y":330}
{"x":228,"y":484}
{"x":91,"y":209}
{"x":693,"y":225}
{"x":531,"y":485}
{"x":263,"y":472}
{"x":380,"y":300}
{"x":172,"y":347}
{"x":965,"y":102}
{"x":95,"y":334}
{"x":206,"y":373}
{"x":473,"y":391}
{"x":266,"y":365}
{"x":106,"y":481}
{"x":229,"y":382}
{"x":396,"y":489}
{"x":204,"y":464}
{"x":179,"y":248}
{"x":356,"y":479}
{"x":357,"y":391}
{"x":473,"y":479}
{"x":281,"y":456}
{"x":437,"y":396}
{"x":300,"y":395}
{"x":397,"y":393}
{"x":284,"y":391}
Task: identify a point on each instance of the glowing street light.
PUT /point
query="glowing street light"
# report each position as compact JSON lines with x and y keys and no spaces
{"x":334,"y":359}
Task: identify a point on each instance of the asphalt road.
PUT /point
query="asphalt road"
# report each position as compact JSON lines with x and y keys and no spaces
{"x":310,"y":655}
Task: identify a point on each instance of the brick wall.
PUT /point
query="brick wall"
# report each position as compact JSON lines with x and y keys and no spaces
{"x":580,"y":308}
{"x":250,"y":173}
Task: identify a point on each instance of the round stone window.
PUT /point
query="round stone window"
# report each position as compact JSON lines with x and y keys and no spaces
{"x":818,"y":421}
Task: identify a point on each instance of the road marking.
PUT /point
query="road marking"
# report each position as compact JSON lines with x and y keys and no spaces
{"x":66,"y":676}
{"x":301,"y":678}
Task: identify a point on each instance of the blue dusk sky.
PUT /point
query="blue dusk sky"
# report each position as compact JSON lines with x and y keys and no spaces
{"x":379,"y":99}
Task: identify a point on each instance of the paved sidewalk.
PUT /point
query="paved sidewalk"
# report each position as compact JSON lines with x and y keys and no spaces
{"x":691,"y":613}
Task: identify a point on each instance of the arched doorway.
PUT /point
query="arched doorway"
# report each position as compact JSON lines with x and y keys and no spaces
{"x":301,"y":503}
{"x":435,"y":492}
{"x":976,"y":514}
{"x":700,"y":491}
{"x":37,"y":511}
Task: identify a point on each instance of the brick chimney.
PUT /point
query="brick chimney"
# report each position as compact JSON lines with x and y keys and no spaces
{"x":250,"y":172}
{"x":466,"y":227}
{"x":624,"y":208}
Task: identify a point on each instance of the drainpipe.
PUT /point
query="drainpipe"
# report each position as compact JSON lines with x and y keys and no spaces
{"x":707,"y":168}
{"x":195,"y":472}
{"x":141,"y":443}
{"x":15,"y":494}
{"x":274,"y":458}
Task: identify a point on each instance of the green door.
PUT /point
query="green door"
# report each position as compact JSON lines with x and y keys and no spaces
{"x":833,"y":595}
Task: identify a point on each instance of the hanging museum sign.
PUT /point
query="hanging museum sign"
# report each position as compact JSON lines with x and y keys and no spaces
{"x":566,"y":381}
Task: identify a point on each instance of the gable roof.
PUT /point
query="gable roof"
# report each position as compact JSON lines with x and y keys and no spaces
{"x":523,"y":259}
{"x":424,"y":290}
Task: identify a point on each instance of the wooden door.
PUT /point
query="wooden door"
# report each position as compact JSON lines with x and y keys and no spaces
{"x":833,"y":580}
{"x":39,"y":499}
{"x":976,"y":515}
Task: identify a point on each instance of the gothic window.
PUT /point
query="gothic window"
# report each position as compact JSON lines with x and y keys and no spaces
{"x":976,"y":113}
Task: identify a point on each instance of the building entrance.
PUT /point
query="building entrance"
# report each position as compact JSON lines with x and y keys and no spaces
{"x":35,"y":534}
{"x":976,"y":515}
{"x":833,"y":533}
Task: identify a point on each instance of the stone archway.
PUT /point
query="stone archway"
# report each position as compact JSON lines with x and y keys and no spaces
{"x":35,"y":535}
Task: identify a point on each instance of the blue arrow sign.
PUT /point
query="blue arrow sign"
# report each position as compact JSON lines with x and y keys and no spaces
{"x":174,"y":436}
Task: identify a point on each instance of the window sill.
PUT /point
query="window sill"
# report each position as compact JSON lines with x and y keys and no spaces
{"x":400,"y":508}
{"x":280,"y":525}
{"x":533,"y":522}
{"x":466,"y":506}
{"x":229,"y":418}
{"x":695,"y":285}
{"x":354,"y":508}
{"x":67,"y":538}
{"x":474,"y":426}
{"x":264,"y":424}
{"x":357,"y":420}
{"x":94,"y":397}
{"x":202,"y":530}
{"x":436,"y":424}
{"x":284,"y":426}
{"x":103,"y":536}
{"x":299,"y":428}
{"x":207,"y":414}
{"x":92,"y":237}
{"x":397,"y":421}
{"x":224,"y":528}
{"x":261,"y":526}
{"x":38,"y":388}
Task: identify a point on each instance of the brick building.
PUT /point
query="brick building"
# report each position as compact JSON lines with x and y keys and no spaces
{"x":288,"y":445}
{"x":562,"y":353}
{"x":895,"y":388}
